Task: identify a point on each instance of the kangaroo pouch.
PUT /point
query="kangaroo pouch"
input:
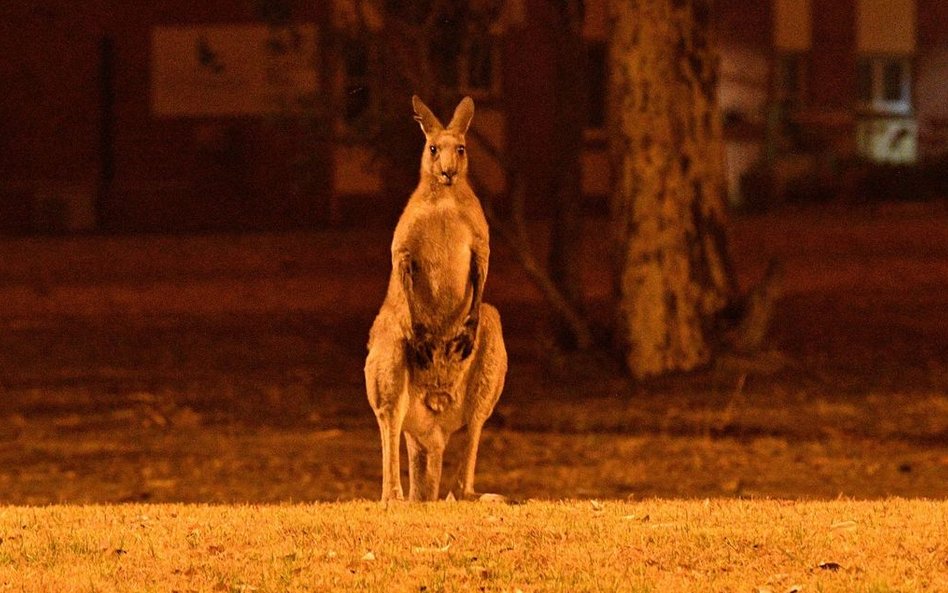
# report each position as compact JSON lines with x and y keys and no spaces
{"x":439,"y":385}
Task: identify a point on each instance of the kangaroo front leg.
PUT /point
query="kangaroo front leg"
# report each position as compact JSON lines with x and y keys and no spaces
{"x":420,"y":347}
{"x":463,"y":343}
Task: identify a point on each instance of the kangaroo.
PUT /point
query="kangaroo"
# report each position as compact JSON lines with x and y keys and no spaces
{"x":436,"y":358}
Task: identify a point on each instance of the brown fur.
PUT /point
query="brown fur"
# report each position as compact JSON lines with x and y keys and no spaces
{"x":436,"y":360}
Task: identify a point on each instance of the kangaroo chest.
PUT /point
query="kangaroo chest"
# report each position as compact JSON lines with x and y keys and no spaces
{"x":438,"y":240}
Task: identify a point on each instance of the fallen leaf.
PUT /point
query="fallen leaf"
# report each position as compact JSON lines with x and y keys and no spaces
{"x":431,"y":549}
{"x":833,"y":566}
{"x":480,"y":571}
{"x":492,"y":498}
{"x":186,"y":418}
{"x":596,"y":505}
{"x":843,"y":526}
{"x":369,"y":556}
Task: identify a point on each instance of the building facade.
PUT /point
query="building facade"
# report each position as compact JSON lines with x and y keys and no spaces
{"x":809,"y":85}
{"x":173,"y":116}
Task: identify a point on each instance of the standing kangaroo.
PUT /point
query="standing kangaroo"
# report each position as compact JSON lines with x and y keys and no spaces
{"x":436,"y":360}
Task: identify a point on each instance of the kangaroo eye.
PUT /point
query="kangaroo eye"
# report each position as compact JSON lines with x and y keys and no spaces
{"x":461,"y":149}
{"x":433,"y":149}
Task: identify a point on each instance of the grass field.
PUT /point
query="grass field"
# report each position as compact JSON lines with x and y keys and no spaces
{"x":886,"y":546}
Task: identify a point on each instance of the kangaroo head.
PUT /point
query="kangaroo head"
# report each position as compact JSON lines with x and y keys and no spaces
{"x":445,"y":155}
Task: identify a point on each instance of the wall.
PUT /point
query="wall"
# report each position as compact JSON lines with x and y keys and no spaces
{"x":48,"y":110}
{"x":75,"y":128}
{"x":931,"y":87}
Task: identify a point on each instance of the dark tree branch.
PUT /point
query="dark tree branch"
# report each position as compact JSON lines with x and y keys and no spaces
{"x":514,"y":233}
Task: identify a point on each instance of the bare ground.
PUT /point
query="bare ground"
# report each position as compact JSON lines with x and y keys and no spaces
{"x":228,"y":369}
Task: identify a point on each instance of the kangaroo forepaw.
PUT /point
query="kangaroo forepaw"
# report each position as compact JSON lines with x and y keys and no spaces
{"x":463,"y":343}
{"x":420,"y":347}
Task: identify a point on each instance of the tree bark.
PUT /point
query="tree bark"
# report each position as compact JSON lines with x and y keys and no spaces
{"x":673,"y":273}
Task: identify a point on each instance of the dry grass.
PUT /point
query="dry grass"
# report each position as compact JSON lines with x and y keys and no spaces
{"x":712,"y":545}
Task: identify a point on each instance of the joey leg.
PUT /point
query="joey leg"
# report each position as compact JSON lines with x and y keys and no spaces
{"x":464,"y":483}
{"x":433,"y":473}
{"x":417,"y":468}
{"x":424,"y":469}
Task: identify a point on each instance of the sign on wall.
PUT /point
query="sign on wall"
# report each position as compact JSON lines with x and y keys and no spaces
{"x":231,"y":70}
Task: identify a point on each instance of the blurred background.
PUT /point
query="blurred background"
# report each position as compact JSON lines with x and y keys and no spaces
{"x":234,"y":114}
{"x":196,"y":204}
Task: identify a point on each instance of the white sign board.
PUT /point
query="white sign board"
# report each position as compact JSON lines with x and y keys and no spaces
{"x":231,"y":70}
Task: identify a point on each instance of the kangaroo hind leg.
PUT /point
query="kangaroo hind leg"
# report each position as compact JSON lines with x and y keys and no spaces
{"x":386,"y":380}
{"x":490,"y":366}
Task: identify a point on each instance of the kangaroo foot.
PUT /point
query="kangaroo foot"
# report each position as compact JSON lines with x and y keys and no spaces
{"x":393,"y":496}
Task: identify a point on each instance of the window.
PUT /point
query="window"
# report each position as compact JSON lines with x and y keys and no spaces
{"x":884,"y":84}
{"x":596,"y":79}
{"x":892,"y":77}
{"x":886,"y":131}
{"x":480,"y":63}
{"x":469,"y":65}
{"x":864,"y":81}
{"x":790,"y":79}
{"x":357,"y":88}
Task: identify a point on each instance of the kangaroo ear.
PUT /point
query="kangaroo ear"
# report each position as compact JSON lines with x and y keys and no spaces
{"x":429,"y":123}
{"x":462,"y":116}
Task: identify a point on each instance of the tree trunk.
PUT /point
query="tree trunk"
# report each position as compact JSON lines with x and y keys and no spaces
{"x":673,"y":275}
